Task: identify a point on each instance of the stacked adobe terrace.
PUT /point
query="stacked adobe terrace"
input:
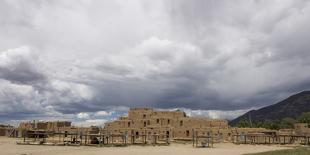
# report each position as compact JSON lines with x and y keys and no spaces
{"x":173,"y":125}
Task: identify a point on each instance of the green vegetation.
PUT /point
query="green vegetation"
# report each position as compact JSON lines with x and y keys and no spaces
{"x":285,"y":123}
{"x":297,"y":151}
{"x":304,"y":118}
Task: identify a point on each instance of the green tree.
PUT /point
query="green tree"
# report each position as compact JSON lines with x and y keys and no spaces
{"x":287,"y":123}
{"x":304,"y":118}
{"x":243,"y":124}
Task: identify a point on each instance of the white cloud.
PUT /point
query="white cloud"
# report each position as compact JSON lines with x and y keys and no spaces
{"x":104,"y":113}
{"x":82,"y":115}
{"x":91,"y":122}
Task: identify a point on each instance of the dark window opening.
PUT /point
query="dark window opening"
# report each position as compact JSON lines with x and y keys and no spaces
{"x":157,"y":121}
{"x":144,"y":124}
{"x":128,"y":124}
{"x":181,"y":123}
{"x":167,"y":134}
{"x":187,"y":133}
{"x":168,"y":121}
{"x":144,"y":116}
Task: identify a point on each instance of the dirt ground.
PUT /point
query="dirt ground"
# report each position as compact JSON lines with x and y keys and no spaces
{"x":8,"y":146}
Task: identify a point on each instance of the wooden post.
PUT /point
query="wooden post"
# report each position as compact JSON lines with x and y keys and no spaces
{"x":211,"y":139}
{"x":112,"y":139}
{"x":107,"y":139}
{"x":63,"y":137}
{"x":100,"y":139}
{"x":126,"y":139}
{"x":193,"y":137}
{"x":35,"y":136}
{"x":81,"y":136}
{"x":24,"y":135}
{"x":196,"y":135}
{"x":85,"y":139}
{"x":144,"y":136}
{"x":237,"y":137}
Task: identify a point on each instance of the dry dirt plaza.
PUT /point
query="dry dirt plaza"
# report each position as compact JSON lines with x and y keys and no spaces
{"x":8,"y":147}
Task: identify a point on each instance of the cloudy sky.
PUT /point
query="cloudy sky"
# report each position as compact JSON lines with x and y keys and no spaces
{"x":89,"y":61}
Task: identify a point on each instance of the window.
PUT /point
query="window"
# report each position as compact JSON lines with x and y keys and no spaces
{"x":144,"y":124}
{"x":187,"y":133}
{"x":128,"y":124}
{"x":168,"y":121}
{"x":144,"y":116}
{"x":181,"y":123}
{"x":157,"y":121}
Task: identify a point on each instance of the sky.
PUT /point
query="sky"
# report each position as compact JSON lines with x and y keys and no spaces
{"x":90,"y":61}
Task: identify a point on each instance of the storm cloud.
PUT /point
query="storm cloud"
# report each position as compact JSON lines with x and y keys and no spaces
{"x":89,"y":61}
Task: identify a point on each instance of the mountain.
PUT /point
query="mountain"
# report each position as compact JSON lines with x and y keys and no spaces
{"x":292,"y":107}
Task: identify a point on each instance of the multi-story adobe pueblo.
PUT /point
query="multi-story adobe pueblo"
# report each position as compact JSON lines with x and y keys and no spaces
{"x":174,"y":125}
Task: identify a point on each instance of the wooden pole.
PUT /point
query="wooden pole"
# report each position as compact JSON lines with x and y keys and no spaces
{"x":112,"y":140}
{"x":100,"y":137}
{"x":196,"y":135}
{"x":24,"y":135}
{"x":193,"y":137}
{"x":211,"y":139}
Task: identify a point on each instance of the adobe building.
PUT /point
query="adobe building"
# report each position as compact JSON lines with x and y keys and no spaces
{"x":56,"y":130}
{"x":302,"y":128}
{"x":45,"y":125}
{"x":150,"y":126}
{"x":7,"y":130}
{"x":4,"y":130}
{"x":169,"y":125}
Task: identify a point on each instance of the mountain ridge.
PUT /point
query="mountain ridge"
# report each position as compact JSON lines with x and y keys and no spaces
{"x":293,"y":106}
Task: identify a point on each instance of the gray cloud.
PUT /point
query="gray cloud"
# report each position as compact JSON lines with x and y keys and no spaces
{"x":65,"y":58}
{"x":20,"y":65}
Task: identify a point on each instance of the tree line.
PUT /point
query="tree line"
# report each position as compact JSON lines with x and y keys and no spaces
{"x":285,"y":123}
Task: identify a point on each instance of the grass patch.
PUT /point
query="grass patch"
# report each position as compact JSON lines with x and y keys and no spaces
{"x":296,"y":151}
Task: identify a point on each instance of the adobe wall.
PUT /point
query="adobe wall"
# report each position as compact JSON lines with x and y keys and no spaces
{"x":302,"y":128}
{"x":3,"y":131}
{"x":42,"y":125}
{"x":174,"y":124}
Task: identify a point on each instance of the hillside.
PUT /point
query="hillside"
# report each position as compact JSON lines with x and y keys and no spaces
{"x":292,"y":107}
